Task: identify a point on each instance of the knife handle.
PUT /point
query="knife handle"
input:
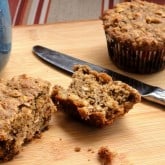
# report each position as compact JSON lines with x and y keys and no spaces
{"x":157,"y":96}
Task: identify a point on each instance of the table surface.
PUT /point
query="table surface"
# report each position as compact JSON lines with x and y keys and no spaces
{"x":138,"y":137}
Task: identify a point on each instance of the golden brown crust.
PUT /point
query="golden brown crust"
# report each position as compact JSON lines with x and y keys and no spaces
{"x":94,"y":97}
{"x":130,"y":24}
{"x":25,"y":111}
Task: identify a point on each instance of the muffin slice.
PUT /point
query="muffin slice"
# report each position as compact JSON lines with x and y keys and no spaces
{"x":25,"y":111}
{"x":94,"y":97}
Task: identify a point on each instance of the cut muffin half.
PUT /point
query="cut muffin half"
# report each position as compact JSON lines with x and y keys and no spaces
{"x":25,"y":111}
{"x":94,"y":97}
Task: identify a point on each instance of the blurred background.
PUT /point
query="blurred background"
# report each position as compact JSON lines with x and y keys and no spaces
{"x":27,"y":12}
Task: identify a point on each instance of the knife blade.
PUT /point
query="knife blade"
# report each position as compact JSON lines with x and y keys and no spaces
{"x":66,"y":63}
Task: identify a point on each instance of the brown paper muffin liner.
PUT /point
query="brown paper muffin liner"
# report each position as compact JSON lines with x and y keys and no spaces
{"x":136,"y":61}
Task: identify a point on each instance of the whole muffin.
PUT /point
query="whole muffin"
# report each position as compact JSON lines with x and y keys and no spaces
{"x":135,"y":33}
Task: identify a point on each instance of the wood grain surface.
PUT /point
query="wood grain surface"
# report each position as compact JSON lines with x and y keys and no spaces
{"x":138,"y":137}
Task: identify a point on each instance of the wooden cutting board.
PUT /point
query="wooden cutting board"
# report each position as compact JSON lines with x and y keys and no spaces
{"x":138,"y":137}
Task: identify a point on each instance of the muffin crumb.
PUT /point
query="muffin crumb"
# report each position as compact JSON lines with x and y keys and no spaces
{"x":105,"y":156}
{"x":77,"y":149}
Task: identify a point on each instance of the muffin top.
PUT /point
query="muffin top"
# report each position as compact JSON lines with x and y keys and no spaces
{"x":137,"y":23}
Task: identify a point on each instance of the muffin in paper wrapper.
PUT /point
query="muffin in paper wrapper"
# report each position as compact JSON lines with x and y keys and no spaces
{"x":137,"y":61}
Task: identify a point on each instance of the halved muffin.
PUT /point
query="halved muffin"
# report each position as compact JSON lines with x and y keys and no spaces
{"x":25,"y":111}
{"x":94,"y":97}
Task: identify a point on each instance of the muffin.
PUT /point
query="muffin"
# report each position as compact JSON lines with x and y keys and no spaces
{"x":135,"y":34}
{"x":94,"y":98}
{"x":25,"y":111}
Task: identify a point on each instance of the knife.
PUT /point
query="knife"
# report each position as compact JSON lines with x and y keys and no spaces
{"x":66,"y":63}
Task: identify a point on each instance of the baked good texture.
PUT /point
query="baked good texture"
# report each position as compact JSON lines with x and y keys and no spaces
{"x":94,"y":97}
{"x":25,"y":111}
{"x":135,"y":33}
{"x":108,"y":157}
{"x":105,"y":156}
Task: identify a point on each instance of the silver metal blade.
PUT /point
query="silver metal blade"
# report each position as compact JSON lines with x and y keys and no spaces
{"x":66,"y":63}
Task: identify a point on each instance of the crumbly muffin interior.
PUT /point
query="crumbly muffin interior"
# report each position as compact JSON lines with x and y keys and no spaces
{"x":95,"y":97}
{"x":100,"y":91}
{"x":25,"y":111}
